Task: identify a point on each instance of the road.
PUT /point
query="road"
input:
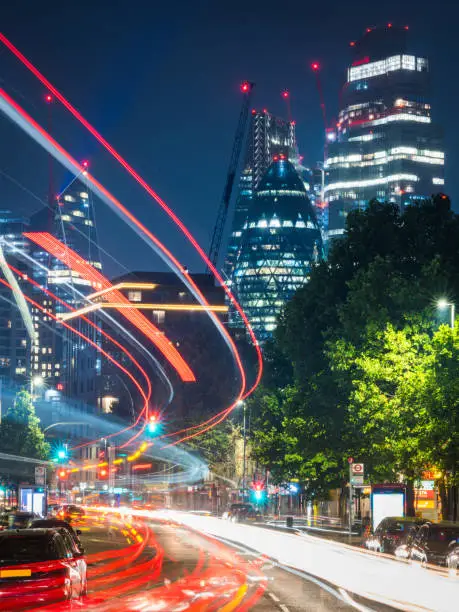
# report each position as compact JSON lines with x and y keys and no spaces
{"x":186,"y":554}
{"x":156,"y":564}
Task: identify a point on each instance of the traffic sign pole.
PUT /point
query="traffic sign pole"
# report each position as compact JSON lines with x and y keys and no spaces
{"x":350,"y":498}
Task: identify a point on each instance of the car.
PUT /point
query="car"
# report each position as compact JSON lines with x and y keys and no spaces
{"x":39,"y":566}
{"x":71,"y":514}
{"x":58,"y":524}
{"x":392,"y":533}
{"x":452,"y":559}
{"x":242,"y":512}
{"x":434,"y":542}
{"x":19,"y":519}
{"x":4,"y":520}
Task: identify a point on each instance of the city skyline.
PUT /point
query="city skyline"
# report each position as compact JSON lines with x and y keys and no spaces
{"x":165,"y":156}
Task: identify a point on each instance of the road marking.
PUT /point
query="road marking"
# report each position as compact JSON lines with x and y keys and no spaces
{"x":284,"y":608}
{"x":234,"y":603}
{"x":274,"y":597}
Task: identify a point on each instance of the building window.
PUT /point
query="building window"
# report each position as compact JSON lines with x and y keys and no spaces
{"x":135,"y":296}
{"x":159,"y":316}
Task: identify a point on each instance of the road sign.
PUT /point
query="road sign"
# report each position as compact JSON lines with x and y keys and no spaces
{"x":40,"y":475}
{"x":357,"y":480}
{"x":357,"y":468}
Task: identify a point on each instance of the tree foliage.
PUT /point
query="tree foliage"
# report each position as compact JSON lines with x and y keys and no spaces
{"x":371,"y":373}
{"x":20,"y":434}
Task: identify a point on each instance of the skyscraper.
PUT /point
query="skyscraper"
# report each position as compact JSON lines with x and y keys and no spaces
{"x":268,"y":136}
{"x":280,"y":241}
{"x":385,"y":145}
{"x":60,"y":356}
{"x":15,"y":342}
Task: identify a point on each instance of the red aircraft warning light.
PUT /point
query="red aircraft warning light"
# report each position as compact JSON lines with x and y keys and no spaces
{"x":285,"y":94}
{"x":315,"y":66}
{"x":245,"y":87}
{"x":85,"y":163}
{"x":48,"y":98}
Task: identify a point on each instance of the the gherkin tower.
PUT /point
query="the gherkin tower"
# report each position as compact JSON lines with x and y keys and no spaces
{"x":279,"y":243}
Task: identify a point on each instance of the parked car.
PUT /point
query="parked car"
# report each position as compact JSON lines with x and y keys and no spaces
{"x":392,"y":533}
{"x":20,"y":520}
{"x":238,"y":513}
{"x":452,"y":559}
{"x":39,"y":566}
{"x":58,"y":524}
{"x":4,"y":522}
{"x":434,"y":542}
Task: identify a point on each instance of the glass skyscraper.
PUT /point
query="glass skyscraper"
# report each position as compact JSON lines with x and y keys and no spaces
{"x":280,"y":240}
{"x":268,"y":136}
{"x":385,"y":145}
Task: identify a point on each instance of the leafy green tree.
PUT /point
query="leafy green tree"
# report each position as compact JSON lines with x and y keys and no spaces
{"x":20,"y":432}
{"x":357,"y":340}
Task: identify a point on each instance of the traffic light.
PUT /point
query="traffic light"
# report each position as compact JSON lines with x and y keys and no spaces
{"x":102,"y":473}
{"x":258,"y":487}
{"x":62,"y":474}
{"x":153,"y":424}
{"x":61,"y":454}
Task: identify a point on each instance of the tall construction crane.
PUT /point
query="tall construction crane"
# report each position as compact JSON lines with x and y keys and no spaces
{"x":217,"y":236}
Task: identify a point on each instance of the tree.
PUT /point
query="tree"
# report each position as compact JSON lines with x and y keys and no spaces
{"x":359,"y":339}
{"x":20,"y":434}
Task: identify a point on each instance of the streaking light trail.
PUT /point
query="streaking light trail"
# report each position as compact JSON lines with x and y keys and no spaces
{"x":23,"y":120}
{"x":74,"y":261}
{"x":98,"y":348}
{"x":154,"y":195}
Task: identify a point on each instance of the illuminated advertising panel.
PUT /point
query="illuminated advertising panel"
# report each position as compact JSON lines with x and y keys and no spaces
{"x":387,"y":500}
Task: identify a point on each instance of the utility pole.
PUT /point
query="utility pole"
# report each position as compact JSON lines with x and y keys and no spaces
{"x":350,"y":461}
{"x":244,"y":455}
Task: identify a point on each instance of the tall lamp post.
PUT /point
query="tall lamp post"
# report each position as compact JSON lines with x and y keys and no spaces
{"x":442,"y":304}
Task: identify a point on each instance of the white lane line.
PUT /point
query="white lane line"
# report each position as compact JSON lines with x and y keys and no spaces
{"x":284,"y":608}
{"x":350,"y":601}
{"x":274,"y":597}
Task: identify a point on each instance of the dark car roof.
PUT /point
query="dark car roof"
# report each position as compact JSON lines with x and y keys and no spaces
{"x":11,"y":533}
{"x":405,"y":519}
{"x":50,"y":524}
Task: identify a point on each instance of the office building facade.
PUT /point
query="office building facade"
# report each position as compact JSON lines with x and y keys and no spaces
{"x":280,"y":241}
{"x":15,"y":341}
{"x":386,"y":145}
{"x":268,"y":136}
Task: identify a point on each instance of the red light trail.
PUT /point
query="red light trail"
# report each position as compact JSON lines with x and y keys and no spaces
{"x":138,"y":226}
{"x":146,"y":396}
{"x":75,"y":262}
{"x":155,"y":196}
{"x":36,"y":132}
{"x":101,"y":350}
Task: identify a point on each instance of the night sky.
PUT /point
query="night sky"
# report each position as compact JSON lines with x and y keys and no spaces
{"x":160,"y":81}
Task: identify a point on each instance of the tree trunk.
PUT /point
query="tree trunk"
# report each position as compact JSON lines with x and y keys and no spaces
{"x":442,"y":490}
{"x":410,"y":510}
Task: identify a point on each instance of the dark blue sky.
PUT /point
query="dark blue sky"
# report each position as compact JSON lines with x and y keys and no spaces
{"x":160,"y":81}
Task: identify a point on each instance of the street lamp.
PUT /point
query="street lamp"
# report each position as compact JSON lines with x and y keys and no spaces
{"x":442,"y":304}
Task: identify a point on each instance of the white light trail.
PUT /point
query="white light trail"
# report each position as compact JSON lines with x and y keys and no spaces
{"x":381,"y":579}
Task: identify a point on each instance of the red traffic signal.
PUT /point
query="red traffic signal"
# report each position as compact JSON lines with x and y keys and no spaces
{"x":102,"y":473}
{"x":258,"y":485}
{"x":62,"y":474}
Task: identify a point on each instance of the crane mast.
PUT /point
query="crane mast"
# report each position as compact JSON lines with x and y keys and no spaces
{"x":217,"y":236}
